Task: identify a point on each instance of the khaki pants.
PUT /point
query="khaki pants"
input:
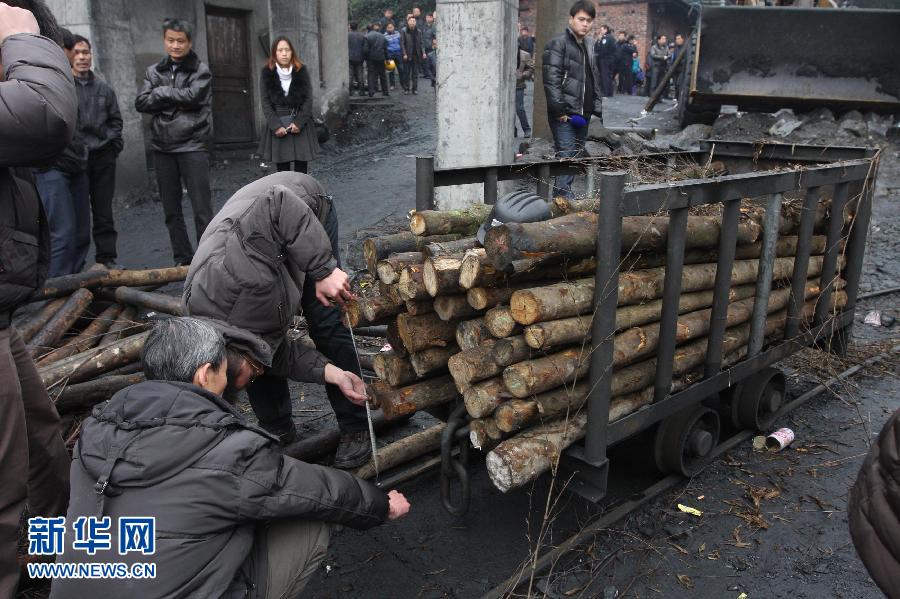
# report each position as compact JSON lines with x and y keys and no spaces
{"x":285,"y":555}
{"x":34,"y":463}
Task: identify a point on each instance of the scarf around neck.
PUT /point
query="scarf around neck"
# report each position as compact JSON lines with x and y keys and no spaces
{"x":284,"y":77}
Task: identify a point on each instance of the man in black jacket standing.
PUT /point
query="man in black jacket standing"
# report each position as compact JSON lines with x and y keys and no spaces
{"x":413,"y":53}
{"x":234,"y":517}
{"x":37,"y":120}
{"x":571,"y":87}
{"x":607,"y":54}
{"x":177,"y":93}
{"x":100,"y":127}
{"x":375,"y":51}
{"x":356,"y":44}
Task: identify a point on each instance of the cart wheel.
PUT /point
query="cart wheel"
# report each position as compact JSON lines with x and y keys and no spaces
{"x":685,"y":440}
{"x":756,"y":401}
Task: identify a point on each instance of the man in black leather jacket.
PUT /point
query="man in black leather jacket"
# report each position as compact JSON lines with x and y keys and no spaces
{"x":177,"y":93}
{"x":571,"y":87}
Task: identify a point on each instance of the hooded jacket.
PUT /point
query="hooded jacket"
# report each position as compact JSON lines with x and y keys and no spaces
{"x":874,"y":509}
{"x":37,"y":120}
{"x":179,"y":98}
{"x":184,"y":456}
{"x":253,"y":259}
{"x":565,"y":70}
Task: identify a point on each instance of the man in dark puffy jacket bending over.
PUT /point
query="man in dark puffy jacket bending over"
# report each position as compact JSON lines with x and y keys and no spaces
{"x":233,"y":515}
{"x":271,"y":251}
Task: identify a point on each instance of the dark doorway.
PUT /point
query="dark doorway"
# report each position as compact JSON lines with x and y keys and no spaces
{"x":229,"y":61}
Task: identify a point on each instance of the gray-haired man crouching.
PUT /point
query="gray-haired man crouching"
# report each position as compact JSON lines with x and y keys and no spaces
{"x":233,"y":516}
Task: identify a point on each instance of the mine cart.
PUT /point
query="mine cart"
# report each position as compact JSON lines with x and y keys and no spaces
{"x":766,"y":58}
{"x":707,"y":369}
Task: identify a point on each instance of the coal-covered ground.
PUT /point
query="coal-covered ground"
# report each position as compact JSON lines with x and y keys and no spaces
{"x":794,"y":543}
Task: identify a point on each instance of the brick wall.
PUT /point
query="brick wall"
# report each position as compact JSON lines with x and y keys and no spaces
{"x":643,"y":18}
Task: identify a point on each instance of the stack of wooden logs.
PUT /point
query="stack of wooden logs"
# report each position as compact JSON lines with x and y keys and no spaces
{"x":86,"y":337}
{"x":507,"y":326}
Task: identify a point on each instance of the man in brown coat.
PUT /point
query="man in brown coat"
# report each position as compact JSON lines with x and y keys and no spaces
{"x":874,"y":509}
{"x":37,"y":120}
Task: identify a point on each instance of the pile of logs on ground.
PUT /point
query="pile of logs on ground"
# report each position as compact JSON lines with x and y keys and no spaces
{"x":506,"y":327}
{"x":86,"y":336}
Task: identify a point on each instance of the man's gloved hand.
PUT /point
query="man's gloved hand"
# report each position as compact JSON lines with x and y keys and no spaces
{"x":335,"y":288}
{"x":350,"y":385}
{"x":15,"y":20}
{"x":398,"y":505}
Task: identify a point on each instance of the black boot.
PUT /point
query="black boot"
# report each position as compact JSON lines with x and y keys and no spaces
{"x":354,"y":450}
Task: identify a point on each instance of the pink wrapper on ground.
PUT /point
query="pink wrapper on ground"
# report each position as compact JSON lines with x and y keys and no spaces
{"x":779,"y":439}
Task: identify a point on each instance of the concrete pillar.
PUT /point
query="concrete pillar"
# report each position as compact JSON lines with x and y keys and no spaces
{"x":552,"y":19}
{"x":476,"y":90}
{"x":114,"y":61}
{"x":299,"y":21}
{"x":335,"y":91}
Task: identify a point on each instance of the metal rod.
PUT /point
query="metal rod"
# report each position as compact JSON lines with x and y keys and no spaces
{"x":719,"y":317}
{"x":878,"y":293}
{"x":668,"y":321}
{"x":832,"y":249}
{"x":490,"y":186}
{"x":764,"y":281}
{"x":424,"y":182}
{"x":589,"y":184}
{"x":603,"y":327}
{"x":801,"y":261}
{"x":856,"y":245}
{"x":543,"y":182}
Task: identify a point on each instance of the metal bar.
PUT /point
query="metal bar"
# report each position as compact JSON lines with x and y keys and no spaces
{"x":668,"y":322}
{"x":718,"y":319}
{"x":650,"y":199}
{"x":603,"y":327}
{"x":543,"y":181}
{"x":771,"y":222}
{"x":856,"y":242}
{"x":490,"y":186}
{"x":832,"y":249}
{"x":424,"y":182}
{"x":792,"y":152}
{"x":801,"y":261}
{"x":642,"y":419}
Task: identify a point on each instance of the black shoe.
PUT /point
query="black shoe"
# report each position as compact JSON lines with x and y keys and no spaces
{"x":286,"y":433}
{"x":354,"y":450}
{"x":415,"y":92}
{"x":385,"y":94}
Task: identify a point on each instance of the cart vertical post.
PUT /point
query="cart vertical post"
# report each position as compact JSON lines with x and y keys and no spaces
{"x":603,"y":327}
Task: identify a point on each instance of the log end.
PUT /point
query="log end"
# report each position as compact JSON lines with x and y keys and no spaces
{"x":417,"y":224}
{"x":499,"y":471}
{"x":429,"y":277}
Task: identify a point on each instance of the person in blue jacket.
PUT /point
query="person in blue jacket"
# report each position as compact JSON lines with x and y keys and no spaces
{"x":395,"y":53}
